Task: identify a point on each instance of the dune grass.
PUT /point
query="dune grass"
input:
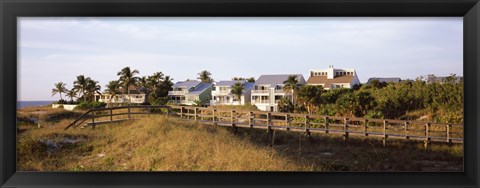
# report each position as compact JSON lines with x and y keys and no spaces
{"x":159,"y":143}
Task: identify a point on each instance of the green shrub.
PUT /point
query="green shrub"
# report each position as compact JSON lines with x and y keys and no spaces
{"x":61,"y":101}
{"x":90,"y":105}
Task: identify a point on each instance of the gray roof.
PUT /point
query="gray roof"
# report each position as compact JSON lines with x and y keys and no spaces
{"x":186,"y":84}
{"x":442,"y":79}
{"x":394,"y":80}
{"x":200,"y":88}
{"x":228,"y":83}
{"x":277,"y":79}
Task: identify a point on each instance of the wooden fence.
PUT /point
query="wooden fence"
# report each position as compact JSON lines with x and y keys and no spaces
{"x":304,"y":123}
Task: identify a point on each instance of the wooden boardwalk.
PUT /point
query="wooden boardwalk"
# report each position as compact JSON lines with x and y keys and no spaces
{"x":271,"y":121}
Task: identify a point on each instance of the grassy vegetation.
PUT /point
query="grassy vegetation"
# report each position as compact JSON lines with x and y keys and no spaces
{"x":159,"y":143}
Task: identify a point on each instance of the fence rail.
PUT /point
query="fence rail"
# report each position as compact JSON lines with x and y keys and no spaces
{"x":305,"y":123}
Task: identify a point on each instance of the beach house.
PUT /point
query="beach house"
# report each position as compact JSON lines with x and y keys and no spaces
{"x":190,"y":93}
{"x":222,"y":93}
{"x":268,"y":90}
{"x":122,"y":97}
{"x":333,"y":78}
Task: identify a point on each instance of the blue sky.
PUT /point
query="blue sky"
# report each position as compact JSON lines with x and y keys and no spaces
{"x":58,"y":49}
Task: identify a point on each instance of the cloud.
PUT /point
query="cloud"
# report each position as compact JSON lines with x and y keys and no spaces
{"x":58,"y":49}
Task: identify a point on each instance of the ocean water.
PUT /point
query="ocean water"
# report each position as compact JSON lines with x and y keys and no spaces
{"x":23,"y":104}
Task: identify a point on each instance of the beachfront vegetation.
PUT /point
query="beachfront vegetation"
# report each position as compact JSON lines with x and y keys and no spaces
{"x":251,"y":79}
{"x":127,"y":78}
{"x":155,"y":87}
{"x":59,"y":89}
{"x":439,"y":102}
{"x":237,"y":90}
{"x":205,"y":76}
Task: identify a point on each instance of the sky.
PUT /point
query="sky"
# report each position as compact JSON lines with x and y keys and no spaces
{"x":52,"y":50}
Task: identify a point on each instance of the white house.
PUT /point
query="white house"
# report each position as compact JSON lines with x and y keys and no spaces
{"x":222,"y":95}
{"x":268,"y":90}
{"x":136,"y":97}
{"x":190,"y":92}
{"x":333,"y":78}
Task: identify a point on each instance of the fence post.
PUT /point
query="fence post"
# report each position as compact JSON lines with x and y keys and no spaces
{"x":345,"y":129}
{"x":129,"y":110}
{"x":111,"y":115}
{"x":385,"y":133}
{"x":326,"y":125}
{"x":213,"y":117}
{"x":449,"y":126}
{"x":181,"y":112}
{"x":195,"y":113}
{"x":307,"y":126}
{"x":287,"y":119}
{"x":250,"y":119}
{"x":93,"y":119}
{"x":269,"y":116}
{"x":232,"y":118}
{"x":365,"y":131}
{"x":406,"y":129}
{"x":269,"y":129}
{"x":232,"y":121}
{"x":427,"y":127}
{"x":168,"y":111}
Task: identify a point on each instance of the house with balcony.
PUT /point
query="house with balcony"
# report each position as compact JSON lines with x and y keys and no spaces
{"x":268,"y":90}
{"x":190,"y":92}
{"x":222,"y":93}
{"x":332,"y":78}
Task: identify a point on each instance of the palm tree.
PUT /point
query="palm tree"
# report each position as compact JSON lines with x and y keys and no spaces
{"x":112,"y":88}
{"x":71,"y":94}
{"x":165,"y":86}
{"x":155,"y":80}
{"x":146,"y":85}
{"x":205,"y":76}
{"x":92,"y":88}
{"x":309,"y":96}
{"x":127,"y":79}
{"x":291,"y":85}
{"x":80,"y":85}
{"x":237,"y":90}
{"x":59,"y":88}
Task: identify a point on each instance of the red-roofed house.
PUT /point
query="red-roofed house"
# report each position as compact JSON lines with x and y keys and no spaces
{"x":333,"y":78}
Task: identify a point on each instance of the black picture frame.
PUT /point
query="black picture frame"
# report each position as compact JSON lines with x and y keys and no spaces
{"x":10,"y":10}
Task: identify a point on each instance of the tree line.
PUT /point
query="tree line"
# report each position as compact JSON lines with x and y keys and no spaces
{"x":412,"y":100}
{"x":155,"y":87}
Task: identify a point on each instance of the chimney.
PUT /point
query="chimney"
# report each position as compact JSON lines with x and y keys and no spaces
{"x":330,"y":72}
